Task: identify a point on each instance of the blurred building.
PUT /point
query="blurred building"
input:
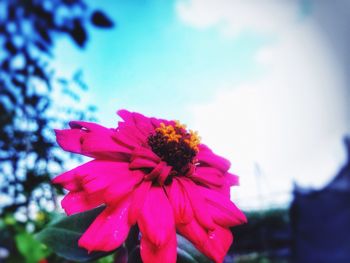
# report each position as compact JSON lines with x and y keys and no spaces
{"x":320,"y":220}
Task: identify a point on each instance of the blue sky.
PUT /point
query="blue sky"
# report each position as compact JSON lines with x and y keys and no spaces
{"x":154,"y":63}
{"x":259,"y":80}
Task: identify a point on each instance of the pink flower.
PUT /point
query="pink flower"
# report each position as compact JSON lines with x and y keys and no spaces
{"x":153,"y":173}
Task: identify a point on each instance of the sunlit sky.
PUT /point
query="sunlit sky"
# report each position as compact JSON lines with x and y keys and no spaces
{"x":260,"y":80}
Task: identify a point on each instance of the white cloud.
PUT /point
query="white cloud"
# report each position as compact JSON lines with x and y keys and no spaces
{"x":290,"y":121}
{"x":234,"y":16}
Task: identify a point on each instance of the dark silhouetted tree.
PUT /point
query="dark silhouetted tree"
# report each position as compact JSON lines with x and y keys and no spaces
{"x":28,"y":32}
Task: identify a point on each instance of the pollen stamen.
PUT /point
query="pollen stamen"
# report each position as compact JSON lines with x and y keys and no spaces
{"x":175,"y":145}
{"x":178,"y":131}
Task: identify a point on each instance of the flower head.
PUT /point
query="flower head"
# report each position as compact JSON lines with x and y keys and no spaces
{"x":156,"y":174}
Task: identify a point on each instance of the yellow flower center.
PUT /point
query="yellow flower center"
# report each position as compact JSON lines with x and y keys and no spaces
{"x":177,"y":132}
{"x":175,"y":145}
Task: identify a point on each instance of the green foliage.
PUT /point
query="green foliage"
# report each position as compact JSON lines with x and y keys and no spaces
{"x":28,"y":33}
{"x":29,"y":30}
{"x":107,"y":259}
{"x":187,"y":253}
{"x":62,"y":236}
{"x":271,"y":232}
{"x":30,"y":248}
{"x":20,"y":243}
{"x":184,"y":257}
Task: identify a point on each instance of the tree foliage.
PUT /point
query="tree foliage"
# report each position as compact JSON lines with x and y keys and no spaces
{"x":29,"y":30}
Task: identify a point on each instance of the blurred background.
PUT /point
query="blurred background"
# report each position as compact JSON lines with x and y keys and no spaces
{"x":266,"y":84}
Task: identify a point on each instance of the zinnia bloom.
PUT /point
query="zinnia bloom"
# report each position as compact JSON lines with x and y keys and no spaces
{"x":154,"y":173}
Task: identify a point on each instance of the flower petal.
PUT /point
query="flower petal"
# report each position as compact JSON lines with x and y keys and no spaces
{"x":194,"y":232}
{"x":214,"y":244}
{"x":69,"y":139}
{"x":206,"y":156}
{"x":208,"y":176}
{"x":126,"y":139}
{"x":120,"y":188}
{"x":227,"y":218}
{"x":69,"y":180}
{"x":198,"y":203}
{"x":218,"y":244}
{"x":94,"y":176}
{"x":139,"y":163}
{"x":109,"y":230}
{"x":100,"y":174}
{"x":229,"y":180}
{"x":91,"y":140}
{"x":77,"y":202}
{"x":142,"y":123}
{"x":156,"y":220}
{"x":126,"y":115}
{"x":133,"y":131}
{"x":166,"y":253}
{"x":180,"y":203}
{"x":145,"y":153}
{"x":156,"y":122}
{"x":223,"y":211}
{"x":138,"y":199}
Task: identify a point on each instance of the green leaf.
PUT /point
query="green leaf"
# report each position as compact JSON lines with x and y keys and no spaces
{"x":184,"y":257}
{"x":188,"y":253}
{"x":30,"y":248}
{"x":108,"y":259}
{"x":63,"y":234}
